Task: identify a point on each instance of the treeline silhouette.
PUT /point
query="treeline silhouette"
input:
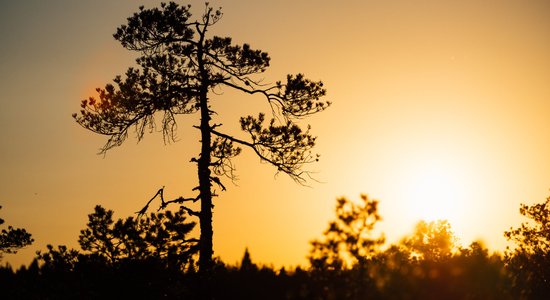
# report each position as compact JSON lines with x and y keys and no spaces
{"x":155,"y":256}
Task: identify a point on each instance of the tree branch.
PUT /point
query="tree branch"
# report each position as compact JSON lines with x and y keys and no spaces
{"x":296,"y":176}
{"x":164,"y":204}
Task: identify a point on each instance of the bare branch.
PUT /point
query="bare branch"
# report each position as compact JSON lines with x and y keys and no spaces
{"x":164,"y":203}
{"x":144,"y":209}
{"x":190,"y":211}
{"x":218,"y":182}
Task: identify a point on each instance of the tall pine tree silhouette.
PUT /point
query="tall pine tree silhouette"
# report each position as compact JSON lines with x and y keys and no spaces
{"x":179,"y":66}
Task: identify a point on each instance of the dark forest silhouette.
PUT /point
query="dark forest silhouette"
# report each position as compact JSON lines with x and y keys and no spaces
{"x":154,"y":257}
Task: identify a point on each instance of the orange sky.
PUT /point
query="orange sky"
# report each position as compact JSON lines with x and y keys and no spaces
{"x":435,"y":104}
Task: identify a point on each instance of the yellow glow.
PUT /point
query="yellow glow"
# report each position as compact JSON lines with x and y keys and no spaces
{"x":435,"y":193}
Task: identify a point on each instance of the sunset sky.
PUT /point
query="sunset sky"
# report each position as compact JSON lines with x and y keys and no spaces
{"x":441,"y":110}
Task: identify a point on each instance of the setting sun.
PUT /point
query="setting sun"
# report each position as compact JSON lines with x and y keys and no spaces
{"x":435,"y":193}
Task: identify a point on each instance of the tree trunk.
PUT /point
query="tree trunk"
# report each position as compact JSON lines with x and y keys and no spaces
{"x":206,"y":235}
{"x":205,"y":217}
{"x":206,"y":252}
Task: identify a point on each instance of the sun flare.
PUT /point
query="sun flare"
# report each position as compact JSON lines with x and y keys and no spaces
{"x":434,"y":196}
{"x":434,"y":192}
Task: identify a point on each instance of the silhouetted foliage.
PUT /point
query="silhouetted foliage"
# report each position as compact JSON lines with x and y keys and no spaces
{"x":348,"y":240}
{"x":13,"y":239}
{"x":483,"y":276}
{"x":467,"y":274}
{"x":246,"y":262}
{"x":533,"y":237}
{"x":64,"y":273}
{"x":63,"y":259}
{"x":157,"y":237}
{"x":431,"y":240}
{"x":428,"y":264}
{"x":179,"y":66}
{"x":149,"y":257}
{"x":160,"y":235}
{"x":529,"y":261}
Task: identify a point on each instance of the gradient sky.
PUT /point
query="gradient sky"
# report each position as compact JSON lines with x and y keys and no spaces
{"x":440,"y":110}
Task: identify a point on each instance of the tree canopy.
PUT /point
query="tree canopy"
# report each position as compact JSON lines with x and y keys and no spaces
{"x":432,"y":240}
{"x":533,"y":237}
{"x":530,"y":258}
{"x":13,"y":239}
{"x":349,"y":239}
{"x":162,"y":235}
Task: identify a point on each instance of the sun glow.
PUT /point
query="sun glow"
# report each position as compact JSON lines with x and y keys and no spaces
{"x":435,"y":191}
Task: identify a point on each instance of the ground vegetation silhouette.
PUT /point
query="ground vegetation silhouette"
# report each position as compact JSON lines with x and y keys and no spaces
{"x":118,"y":260}
{"x":180,"y":66}
{"x":161,"y":236}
